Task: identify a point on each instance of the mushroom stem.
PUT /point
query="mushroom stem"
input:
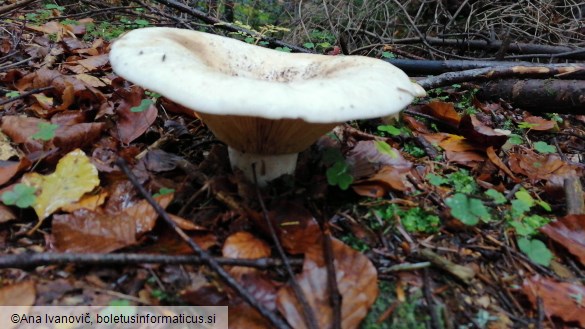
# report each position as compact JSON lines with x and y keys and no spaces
{"x":268,"y":167}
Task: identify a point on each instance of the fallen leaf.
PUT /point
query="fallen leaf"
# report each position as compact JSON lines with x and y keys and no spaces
{"x":296,"y":227}
{"x":442,"y":111}
{"x":105,"y":230}
{"x":491,"y":153}
{"x":88,"y":64}
{"x":6,"y":214}
{"x":244,"y":245}
{"x":90,"y":202}
{"x":73,"y":177}
{"x":569,"y":232}
{"x":559,"y":299}
{"x":131,"y":125}
{"x":541,"y":124}
{"x":477,"y":132}
{"x":356,"y":279}
{"x":18,"y":294}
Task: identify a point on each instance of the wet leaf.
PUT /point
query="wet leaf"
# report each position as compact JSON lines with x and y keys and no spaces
{"x":73,"y":177}
{"x":559,"y":299}
{"x":357,"y":281}
{"x":569,"y":232}
{"x":296,"y":227}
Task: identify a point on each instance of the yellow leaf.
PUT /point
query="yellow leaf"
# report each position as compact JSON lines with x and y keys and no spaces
{"x":74,"y":176}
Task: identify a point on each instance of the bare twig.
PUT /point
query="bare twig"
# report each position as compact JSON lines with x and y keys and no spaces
{"x":40,"y":259}
{"x":28,"y":93}
{"x":7,"y":8}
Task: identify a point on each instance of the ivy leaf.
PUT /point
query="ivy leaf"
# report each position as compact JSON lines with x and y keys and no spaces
{"x":339,"y":175}
{"x":498,"y":197}
{"x":144,"y":105}
{"x":22,"y":195}
{"x":46,"y":131}
{"x":536,"y":251}
{"x":468,"y":210}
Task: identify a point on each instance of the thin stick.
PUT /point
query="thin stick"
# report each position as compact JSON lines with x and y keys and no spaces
{"x":28,"y":93}
{"x":309,"y":315}
{"x":39,"y":259}
{"x":205,"y":257}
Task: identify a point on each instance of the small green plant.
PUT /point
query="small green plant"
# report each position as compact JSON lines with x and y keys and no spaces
{"x":143,"y":106}
{"x":387,"y":54}
{"x":283,"y":49}
{"x":12,"y":94}
{"x":46,"y":131}
{"x":467,"y":209}
{"x":536,"y":251}
{"x":413,"y":219}
{"x":339,"y":172}
{"x":164,"y":191}
{"x":22,"y":196}
{"x":544,"y":148}
{"x":461,"y":181}
{"x":527,"y":125}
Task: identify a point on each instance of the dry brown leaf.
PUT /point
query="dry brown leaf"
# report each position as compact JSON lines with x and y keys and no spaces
{"x":297,"y":229}
{"x":6,"y":214}
{"x":444,"y":112}
{"x":477,"y":132}
{"x":131,"y":125}
{"x":245,"y":246}
{"x":541,"y":124}
{"x":491,"y":153}
{"x":88,"y":64}
{"x":569,"y":232}
{"x":18,"y":294}
{"x":105,"y":231}
{"x":356,"y":279}
{"x":89,"y":202}
{"x":559,"y":299}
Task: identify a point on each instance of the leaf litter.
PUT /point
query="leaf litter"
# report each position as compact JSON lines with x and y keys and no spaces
{"x":59,"y":161}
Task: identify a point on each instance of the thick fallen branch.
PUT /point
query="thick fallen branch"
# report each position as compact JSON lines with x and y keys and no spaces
{"x":495,"y":45}
{"x":500,"y":72}
{"x":229,"y":26}
{"x":415,"y":67}
{"x":40,"y":259}
{"x":534,"y":95}
{"x":7,"y":8}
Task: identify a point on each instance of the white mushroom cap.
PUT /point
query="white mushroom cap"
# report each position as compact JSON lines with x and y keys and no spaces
{"x":255,"y":99}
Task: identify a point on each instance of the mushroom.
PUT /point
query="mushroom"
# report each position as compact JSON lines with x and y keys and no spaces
{"x":266,"y":105}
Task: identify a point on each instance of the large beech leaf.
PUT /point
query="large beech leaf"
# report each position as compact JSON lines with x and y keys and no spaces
{"x":356,"y":279}
{"x":569,"y":232}
{"x":74,"y":176}
{"x":104,"y":231}
{"x":560,"y":299}
{"x":247,"y":246}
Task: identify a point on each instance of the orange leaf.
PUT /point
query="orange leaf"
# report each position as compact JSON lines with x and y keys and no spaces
{"x":244,"y":245}
{"x":559,"y":299}
{"x":499,"y":163}
{"x":356,"y":280}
